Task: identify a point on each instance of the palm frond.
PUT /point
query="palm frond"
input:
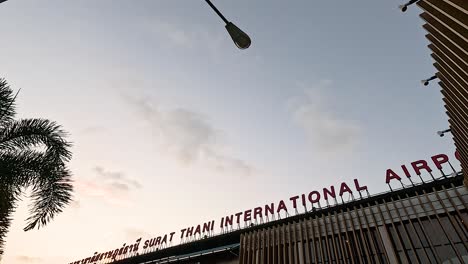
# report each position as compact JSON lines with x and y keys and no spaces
{"x":7,"y":102}
{"x":30,"y":133}
{"x":7,"y":207}
{"x":50,"y":196}
{"x":23,"y":167}
{"x":49,"y":177}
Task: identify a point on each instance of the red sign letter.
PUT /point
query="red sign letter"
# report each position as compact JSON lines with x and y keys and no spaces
{"x":312,"y":200}
{"x":439,"y":160}
{"x":419,"y":165}
{"x":247,"y":215}
{"x":294,"y":199}
{"x":257,"y":211}
{"x":391,"y":175}
{"x":238,"y":217}
{"x":327,"y":192}
{"x":359,"y":188}
{"x":405,"y":170}
{"x":269,"y":209}
{"x":281,"y":206}
{"x":345,"y":188}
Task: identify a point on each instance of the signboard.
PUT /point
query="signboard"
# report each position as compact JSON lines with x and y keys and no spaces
{"x":269,"y":211}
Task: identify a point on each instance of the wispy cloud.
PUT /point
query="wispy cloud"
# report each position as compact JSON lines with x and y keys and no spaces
{"x":192,"y":36}
{"x":134,"y":233}
{"x":92,"y":130}
{"x":174,"y":34}
{"x":75,"y":204}
{"x":325,"y":131}
{"x":187,"y":36}
{"x":118,"y":178}
{"x":190,"y":137}
{"x":28,"y":259}
{"x":113,"y":187}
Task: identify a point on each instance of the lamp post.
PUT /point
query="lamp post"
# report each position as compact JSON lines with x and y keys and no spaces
{"x":441,"y":133}
{"x":240,"y":38}
{"x":426,"y":81}
{"x":404,"y":7}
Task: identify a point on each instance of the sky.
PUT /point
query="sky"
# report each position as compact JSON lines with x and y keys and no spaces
{"x":172,"y":125}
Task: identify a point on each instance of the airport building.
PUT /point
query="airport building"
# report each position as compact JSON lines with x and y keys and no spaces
{"x":425,"y":223}
{"x":422,"y":221}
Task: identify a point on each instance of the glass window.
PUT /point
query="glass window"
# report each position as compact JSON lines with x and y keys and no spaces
{"x":412,"y":256}
{"x":445,"y":252}
{"x":423,"y":256}
{"x":422,"y":235}
{"x":435,"y":232}
{"x":459,"y":224}
{"x":401,"y":256}
{"x":431,"y":255}
{"x":404,"y":236}
{"x":319,"y":250}
{"x":292,"y":250}
{"x":313,"y":251}
{"x":450,"y":228}
{"x":395,"y":238}
{"x":462,"y":250}
{"x":414,"y":235}
{"x":324,"y":248}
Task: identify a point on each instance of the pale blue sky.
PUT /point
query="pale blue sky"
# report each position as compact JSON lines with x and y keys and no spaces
{"x":156,"y":96}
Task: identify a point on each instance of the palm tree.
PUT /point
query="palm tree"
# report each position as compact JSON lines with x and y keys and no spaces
{"x":33,"y":154}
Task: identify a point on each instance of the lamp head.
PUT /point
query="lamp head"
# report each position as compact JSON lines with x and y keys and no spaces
{"x":440,"y":133}
{"x":425,"y":82}
{"x":240,"y":38}
{"x":403,"y":8}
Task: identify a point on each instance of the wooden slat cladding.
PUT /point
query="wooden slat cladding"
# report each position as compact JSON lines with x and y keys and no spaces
{"x":398,"y":230}
{"x":447,"y":25}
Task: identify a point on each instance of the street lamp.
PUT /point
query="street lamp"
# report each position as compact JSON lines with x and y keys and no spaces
{"x":240,"y":38}
{"x":441,"y":133}
{"x":1,"y":1}
{"x":426,"y":81}
{"x":404,"y":7}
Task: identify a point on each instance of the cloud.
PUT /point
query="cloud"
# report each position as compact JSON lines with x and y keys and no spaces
{"x":75,"y":204}
{"x":27,"y":259}
{"x":185,"y":36}
{"x":171,"y":32}
{"x":92,"y":130}
{"x":230,"y":165}
{"x":107,"y":192}
{"x":325,"y":131}
{"x":133,"y":233}
{"x":189,"y":137}
{"x":118,"y":178}
{"x":112,"y":186}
